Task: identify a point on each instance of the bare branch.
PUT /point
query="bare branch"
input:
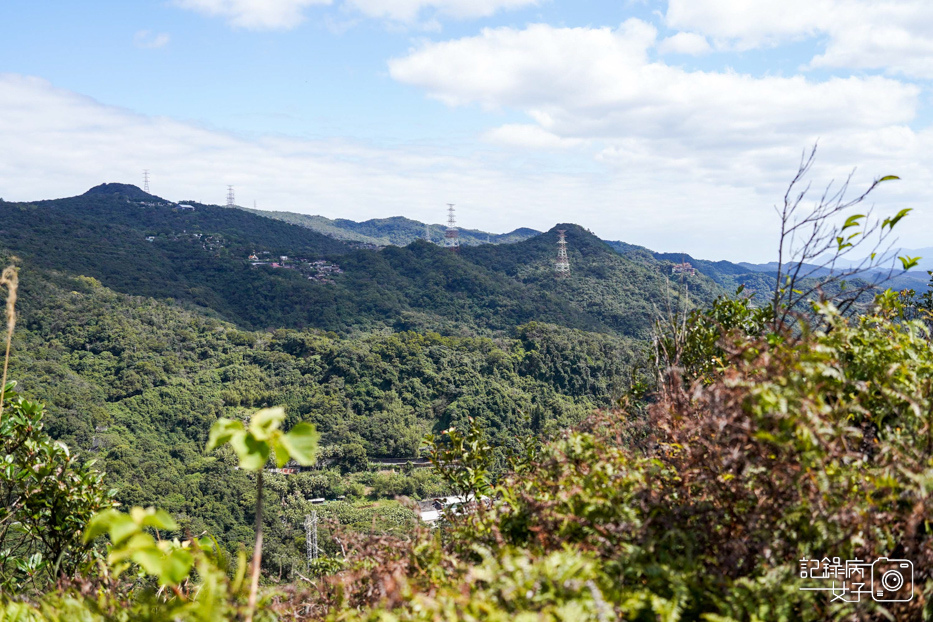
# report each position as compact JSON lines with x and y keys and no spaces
{"x":811,"y":245}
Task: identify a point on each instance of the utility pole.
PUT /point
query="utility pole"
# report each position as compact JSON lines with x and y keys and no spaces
{"x":451,"y":236}
{"x":562,"y":267}
{"x":146,"y":181}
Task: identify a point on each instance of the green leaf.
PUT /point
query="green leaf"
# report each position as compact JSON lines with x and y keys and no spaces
{"x":138,"y":542}
{"x":852,"y":221}
{"x":99,"y":524}
{"x":888,"y":178}
{"x":302,"y":443}
{"x":909,"y":262}
{"x":266,"y":421}
{"x":122,"y":527}
{"x":151,"y":517}
{"x":253,"y":453}
{"x":890,"y":222}
{"x":150,"y":558}
{"x":281,"y":454}
{"x":222,"y":431}
{"x":175,"y":567}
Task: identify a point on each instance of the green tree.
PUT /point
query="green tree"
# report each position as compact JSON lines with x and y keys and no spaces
{"x":254,"y":445}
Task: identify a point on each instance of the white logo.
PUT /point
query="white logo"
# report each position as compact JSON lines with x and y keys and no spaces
{"x":885,"y":580}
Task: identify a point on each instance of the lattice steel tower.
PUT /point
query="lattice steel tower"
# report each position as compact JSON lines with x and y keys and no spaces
{"x":231,"y":201}
{"x":562,"y":266}
{"x":311,"y":537}
{"x":451,"y":236}
{"x":146,"y":181}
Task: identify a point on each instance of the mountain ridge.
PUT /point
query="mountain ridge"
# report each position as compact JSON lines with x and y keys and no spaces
{"x":200,"y":254}
{"x":396,"y":230}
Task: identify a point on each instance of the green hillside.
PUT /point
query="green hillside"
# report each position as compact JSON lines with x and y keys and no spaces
{"x":143,"y":321}
{"x":140,"y":245}
{"x":136,"y":384}
{"x":726,"y":274}
{"x":396,"y":230}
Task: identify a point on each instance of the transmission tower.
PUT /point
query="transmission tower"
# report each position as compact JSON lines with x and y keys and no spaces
{"x":451,"y":236}
{"x":231,"y":201}
{"x":563,"y":262}
{"x":146,"y":181}
{"x":427,"y":232}
{"x":311,"y":537}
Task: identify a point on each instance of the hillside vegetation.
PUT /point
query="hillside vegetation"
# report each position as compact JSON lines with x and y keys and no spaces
{"x":136,"y":383}
{"x":698,"y":503}
{"x":625,"y":443}
{"x":396,"y":230}
{"x":140,"y":245}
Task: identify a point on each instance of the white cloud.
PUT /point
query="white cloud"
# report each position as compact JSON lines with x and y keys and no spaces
{"x":746,"y":25}
{"x":668,"y":193}
{"x":587,"y":83}
{"x":529,"y":136}
{"x":286,"y":14}
{"x":58,"y":143}
{"x":150,"y":40}
{"x":893,"y":35}
{"x":685,"y":43}
{"x":254,"y":14}
{"x":410,"y":10}
{"x":686,"y":136}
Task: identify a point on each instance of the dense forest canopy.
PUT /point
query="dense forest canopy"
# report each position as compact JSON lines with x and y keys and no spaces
{"x":142,"y":245}
{"x":137,"y":382}
{"x":396,"y":230}
{"x":628,"y":442}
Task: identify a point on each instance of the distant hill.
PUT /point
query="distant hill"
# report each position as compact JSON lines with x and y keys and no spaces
{"x":761,"y":277}
{"x":126,"y":191}
{"x":396,"y":230}
{"x":142,"y":245}
{"x":728,"y":275}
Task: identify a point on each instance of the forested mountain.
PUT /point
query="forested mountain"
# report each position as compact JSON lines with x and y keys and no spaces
{"x":148,"y":328}
{"x":141,"y":245}
{"x":143,"y":321}
{"x":396,"y":230}
{"x":136,"y":384}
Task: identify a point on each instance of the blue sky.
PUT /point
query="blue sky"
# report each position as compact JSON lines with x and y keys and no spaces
{"x":673,"y":124}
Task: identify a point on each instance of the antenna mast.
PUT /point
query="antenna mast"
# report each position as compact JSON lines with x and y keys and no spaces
{"x":231,"y":201}
{"x":311,"y":537}
{"x":451,"y":236}
{"x":146,"y":181}
{"x":562,"y":267}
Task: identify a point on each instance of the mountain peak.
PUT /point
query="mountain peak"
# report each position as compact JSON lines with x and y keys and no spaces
{"x":125,"y":190}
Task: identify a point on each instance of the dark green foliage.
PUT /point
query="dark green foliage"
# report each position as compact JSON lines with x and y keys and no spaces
{"x":798,"y":447}
{"x":199,"y":256}
{"x":137,"y":383}
{"x":47,"y":495}
{"x":463,"y":458}
{"x":725,"y":273}
{"x":692,"y":346}
{"x":396,"y":230}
